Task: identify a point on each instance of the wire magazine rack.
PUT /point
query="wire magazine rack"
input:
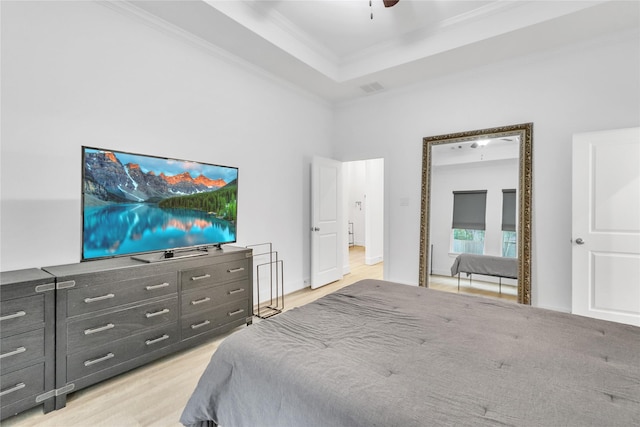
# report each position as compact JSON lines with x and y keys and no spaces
{"x":266,"y":258}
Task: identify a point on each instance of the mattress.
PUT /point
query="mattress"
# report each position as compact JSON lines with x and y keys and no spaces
{"x":378,"y":353}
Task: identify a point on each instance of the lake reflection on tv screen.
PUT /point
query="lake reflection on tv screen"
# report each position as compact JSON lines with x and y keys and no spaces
{"x":126,"y":228}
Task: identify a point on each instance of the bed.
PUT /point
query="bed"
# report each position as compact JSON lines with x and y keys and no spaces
{"x":378,"y":353}
{"x":486,"y":265}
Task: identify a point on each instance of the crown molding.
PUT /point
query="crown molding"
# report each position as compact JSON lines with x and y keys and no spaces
{"x":125,"y":8}
{"x":280,"y":32}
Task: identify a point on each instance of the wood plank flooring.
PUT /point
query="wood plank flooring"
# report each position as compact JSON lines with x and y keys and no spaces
{"x":154,"y":395}
{"x":477,"y":287}
{"x":359,"y":271}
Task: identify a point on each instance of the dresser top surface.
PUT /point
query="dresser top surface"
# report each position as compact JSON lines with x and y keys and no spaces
{"x":103,"y":265}
{"x":29,"y":275}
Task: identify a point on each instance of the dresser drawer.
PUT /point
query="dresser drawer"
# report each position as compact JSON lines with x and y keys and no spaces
{"x":207,"y":298}
{"x":111,"y":354}
{"x":19,"y":350}
{"x":87,"y":299}
{"x":204,"y":321}
{"x":21,"y":313}
{"x":214,"y":274}
{"x":112,"y":326}
{"x":21,"y":384}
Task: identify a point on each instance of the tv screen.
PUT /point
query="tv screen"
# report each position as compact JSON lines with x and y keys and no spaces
{"x":135,"y":203}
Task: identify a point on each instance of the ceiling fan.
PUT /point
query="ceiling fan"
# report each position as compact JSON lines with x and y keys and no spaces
{"x":387,"y":3}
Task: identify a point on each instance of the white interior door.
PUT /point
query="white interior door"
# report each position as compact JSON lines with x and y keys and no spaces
{"x":326,"y":220}
{"x":606,"y":225}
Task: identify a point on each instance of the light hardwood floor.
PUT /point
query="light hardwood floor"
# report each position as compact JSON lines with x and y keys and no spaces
{"x":155,"y":394}
{"x":477,"y":287}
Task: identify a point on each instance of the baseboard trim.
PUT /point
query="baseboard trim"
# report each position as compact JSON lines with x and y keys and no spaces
{"x":373,"y":260}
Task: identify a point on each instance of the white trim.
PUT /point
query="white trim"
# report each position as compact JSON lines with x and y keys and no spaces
{"x":127,"y":9}
{"x":373,"y":260}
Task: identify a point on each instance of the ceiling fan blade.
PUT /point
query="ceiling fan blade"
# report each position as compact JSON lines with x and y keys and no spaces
{"x":389,"y":3}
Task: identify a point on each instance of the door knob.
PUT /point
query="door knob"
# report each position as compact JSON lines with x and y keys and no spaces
{"x":579,"y":241}
{"x":315,"y":229}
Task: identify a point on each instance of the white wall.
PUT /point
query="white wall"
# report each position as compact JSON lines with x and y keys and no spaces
{"x":364,"y":184}
{"x":374,"y":211}
{"x":356,"y":174}
{"x":493,"y":176}
{"x":80,"y":73}
{"x":585,"y":87}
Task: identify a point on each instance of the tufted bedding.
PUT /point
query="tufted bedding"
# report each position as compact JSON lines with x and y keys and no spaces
{"x":485,"y":264}
{"x":378,"y":353}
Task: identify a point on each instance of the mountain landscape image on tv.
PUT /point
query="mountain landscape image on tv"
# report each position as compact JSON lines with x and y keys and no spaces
{"x":134,"y":203}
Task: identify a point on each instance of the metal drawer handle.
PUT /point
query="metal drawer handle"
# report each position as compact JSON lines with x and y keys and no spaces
{"x":204,"y":276}
{"x":154,"y":287}
{"x":233,"y":313}
{"x":235,"y":270}
{"x":14,"y":315}
{"x":200,"y":301}
{"x":14,"y":352}
{"x":12,"y":389}
{"x":235,"y":291}
{"x":156,"y":313}
{"x":200,"y":325}
{"x":95,"y":299}
{"x":99,"y":329}
{"x":99,"y":359}
{"x":155,"y":340}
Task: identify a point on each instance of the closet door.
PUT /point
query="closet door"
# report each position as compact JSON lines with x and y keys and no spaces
{"x":606,"y":225}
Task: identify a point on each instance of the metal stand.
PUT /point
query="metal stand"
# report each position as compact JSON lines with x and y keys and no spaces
{"x":470,"y":274}
{"x":276,"y":300}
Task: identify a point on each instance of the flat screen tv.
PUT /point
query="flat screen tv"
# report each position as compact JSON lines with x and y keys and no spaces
{"x":136,"y":204}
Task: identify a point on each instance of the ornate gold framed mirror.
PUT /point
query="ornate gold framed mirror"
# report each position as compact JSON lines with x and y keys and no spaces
{"x":488,"y":148}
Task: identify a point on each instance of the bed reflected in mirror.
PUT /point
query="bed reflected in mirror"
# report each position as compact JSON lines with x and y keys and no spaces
{"x":476,"y":212}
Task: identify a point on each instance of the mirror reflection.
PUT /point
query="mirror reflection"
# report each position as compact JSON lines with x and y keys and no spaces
{"x":472,"y":202}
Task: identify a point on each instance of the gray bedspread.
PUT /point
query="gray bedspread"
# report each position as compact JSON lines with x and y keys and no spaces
{"x":383,"y":354}
{"x":485,"y":264}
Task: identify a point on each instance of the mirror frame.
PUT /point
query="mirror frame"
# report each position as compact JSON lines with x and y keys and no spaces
{"x":525,"y":131}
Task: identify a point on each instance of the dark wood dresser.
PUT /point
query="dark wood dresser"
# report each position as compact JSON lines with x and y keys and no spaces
{"x":27,"y":334}
{"x":117,"y":314}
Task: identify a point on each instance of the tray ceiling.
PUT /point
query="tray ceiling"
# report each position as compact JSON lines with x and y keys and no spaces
{"x":333,"y":49}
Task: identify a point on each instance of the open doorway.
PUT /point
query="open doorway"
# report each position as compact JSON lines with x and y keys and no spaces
{"x":364,"y":210}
